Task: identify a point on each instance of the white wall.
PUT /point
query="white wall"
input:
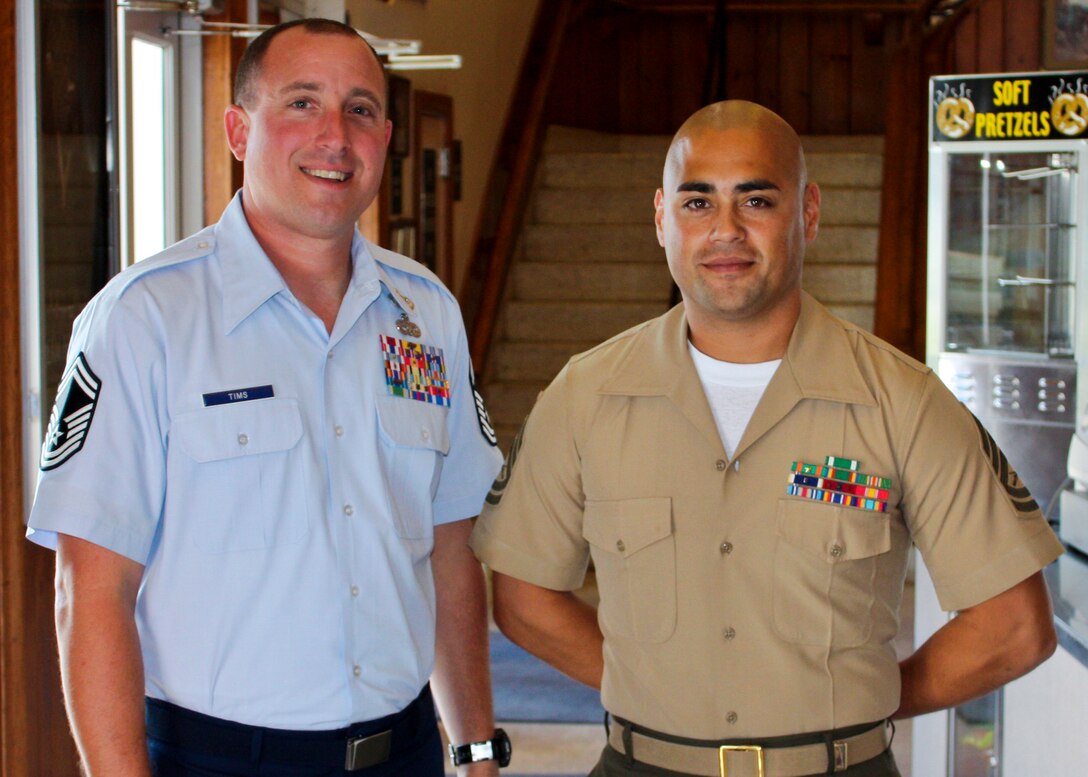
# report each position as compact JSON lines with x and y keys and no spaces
{"x":490,"y":36}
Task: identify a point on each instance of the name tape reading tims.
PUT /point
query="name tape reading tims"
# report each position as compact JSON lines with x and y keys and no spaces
{"x":838,"y":481}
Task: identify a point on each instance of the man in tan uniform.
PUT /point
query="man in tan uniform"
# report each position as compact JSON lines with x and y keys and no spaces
{"x":748,"y":474}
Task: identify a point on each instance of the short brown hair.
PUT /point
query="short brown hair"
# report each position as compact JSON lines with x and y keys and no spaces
{"x":249,"y":67}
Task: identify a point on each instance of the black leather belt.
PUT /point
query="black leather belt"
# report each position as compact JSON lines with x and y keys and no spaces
{"x":355,"y":747}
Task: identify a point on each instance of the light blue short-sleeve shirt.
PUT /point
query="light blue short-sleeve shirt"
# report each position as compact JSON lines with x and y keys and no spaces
{"x":279,"y":483}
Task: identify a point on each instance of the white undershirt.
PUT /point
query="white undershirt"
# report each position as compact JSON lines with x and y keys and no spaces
{"x":733,"y":391}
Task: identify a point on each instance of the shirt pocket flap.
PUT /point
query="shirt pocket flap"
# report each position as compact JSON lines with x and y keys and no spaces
{"x":626,"y":526}
{"x":409,"y":423}
{"x":242,"y":429}
{"x":832,"y":532}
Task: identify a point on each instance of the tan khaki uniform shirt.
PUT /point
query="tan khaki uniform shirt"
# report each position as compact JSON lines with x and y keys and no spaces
{"x":730,"y":608}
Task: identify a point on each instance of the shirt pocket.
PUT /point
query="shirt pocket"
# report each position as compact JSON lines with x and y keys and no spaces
{"x":415,"y":441}
{"x":634,"y":557}
{"x":245,"y":484}
{"x":825,"y":572}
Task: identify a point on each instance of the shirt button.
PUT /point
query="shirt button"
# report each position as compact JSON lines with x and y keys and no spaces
{"x":721,"y":465}
{"x":357,"y":671}
{"x":328,"y":355}
{"x":729,"y":633}
{"x":424,"y":434}
{"x":620,"y":546}
{"x":726,"y":548}
{"x":836,"y":550}
{"x":355,"y":590}
{"x":243,"y":439}
{"x":338,"y":430}
{"x":731,"y":718}
{"x":348,"y":509}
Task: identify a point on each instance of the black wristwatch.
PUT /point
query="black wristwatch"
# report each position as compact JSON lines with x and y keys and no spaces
{"x":495,"y":749}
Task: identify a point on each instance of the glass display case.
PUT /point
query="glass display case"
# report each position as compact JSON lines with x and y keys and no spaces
{"x":1006,"y":308}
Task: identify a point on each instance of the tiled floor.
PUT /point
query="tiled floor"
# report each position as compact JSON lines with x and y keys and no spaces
{"x":572,"y":749}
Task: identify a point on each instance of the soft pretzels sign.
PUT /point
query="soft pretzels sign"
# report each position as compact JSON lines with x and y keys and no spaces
{"x":1025,"y":106}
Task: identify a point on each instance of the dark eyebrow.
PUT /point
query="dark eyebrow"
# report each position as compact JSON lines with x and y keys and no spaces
{"x":696,"y":186}
{"x":755,"y":185}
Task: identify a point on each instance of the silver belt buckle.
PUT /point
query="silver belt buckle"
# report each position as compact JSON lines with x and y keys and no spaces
{"x":368,"y":751}
{"x":724,"y":750}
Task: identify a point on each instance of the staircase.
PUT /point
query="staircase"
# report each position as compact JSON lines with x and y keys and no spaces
{"x":588,"y":264}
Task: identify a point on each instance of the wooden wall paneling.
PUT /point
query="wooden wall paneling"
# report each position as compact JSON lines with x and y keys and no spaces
{"x":965,"y":46}
{"x":795,"y":72}
{"x":831,"y":86}
{"x":867,"y":66}
{"x":768,"y":62}
{"x":901,"y":255}
{"x":991,"y":35}
{"x":743,"y":48}
{"x":687,"y":40}
{"x":651,"y":66}
{"x":34,"y":740}
{"x":1023,"y":26}
{"x":222,"y":172}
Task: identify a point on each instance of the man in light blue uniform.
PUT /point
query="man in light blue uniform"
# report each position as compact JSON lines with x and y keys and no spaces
{"x":261,"y":466}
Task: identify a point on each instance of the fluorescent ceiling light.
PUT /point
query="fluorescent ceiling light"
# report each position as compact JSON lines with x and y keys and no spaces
{"x":424,"y":62}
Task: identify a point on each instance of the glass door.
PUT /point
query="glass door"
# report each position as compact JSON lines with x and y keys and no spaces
{"x":148,"y":96}
{"x":1010,"y":277}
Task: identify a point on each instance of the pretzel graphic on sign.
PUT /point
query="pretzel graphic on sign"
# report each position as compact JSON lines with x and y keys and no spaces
{"x":955,"y":116}
{"x":1069,"y":113}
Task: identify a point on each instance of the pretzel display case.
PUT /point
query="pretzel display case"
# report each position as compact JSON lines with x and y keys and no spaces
{"x":1007,"y":307}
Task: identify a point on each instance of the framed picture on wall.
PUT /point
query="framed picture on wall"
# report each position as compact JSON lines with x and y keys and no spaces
{"x":1065,"y":34}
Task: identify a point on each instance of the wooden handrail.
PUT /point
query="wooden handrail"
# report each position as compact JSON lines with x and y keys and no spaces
{"x":510,"y":179}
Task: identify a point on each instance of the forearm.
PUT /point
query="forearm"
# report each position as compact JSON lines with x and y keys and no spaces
{"x":555,"y":626}
{"x":979,"y":650}
{"x":461,"y":680}
{"x":102,"y":673}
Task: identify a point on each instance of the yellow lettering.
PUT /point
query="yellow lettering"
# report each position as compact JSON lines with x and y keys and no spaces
{"x":1044,"y":116}
{"x":1011,"y":92}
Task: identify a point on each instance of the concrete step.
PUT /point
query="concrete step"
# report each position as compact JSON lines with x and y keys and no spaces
{"x":600,"y":170}
{"x":835,"y":284}
{"x":591,"y":243}
{"x":508,"y":402}
{"x":846,"y":169}
{"x":589,"y":321}
{"x":862,"y":314}
{"x":593,"y":206}
{"x":855,"y":207}
{"x":533,"y":361}
{"x":843,"y":243}
{"x":560,"y":139}
{"x":606,"y":281}
{"x":839,"y":205}
{"x":613,"y":170}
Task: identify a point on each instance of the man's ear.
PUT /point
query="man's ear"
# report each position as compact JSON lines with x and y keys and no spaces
{"x":659,"y":214}
{"x":236,"y":121}
{"x":812,"y":212}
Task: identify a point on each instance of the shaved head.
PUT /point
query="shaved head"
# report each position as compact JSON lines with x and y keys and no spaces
{"x":743,"y":115}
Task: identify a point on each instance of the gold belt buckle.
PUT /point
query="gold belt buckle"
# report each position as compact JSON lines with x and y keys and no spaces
{"x":723,"y":753}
